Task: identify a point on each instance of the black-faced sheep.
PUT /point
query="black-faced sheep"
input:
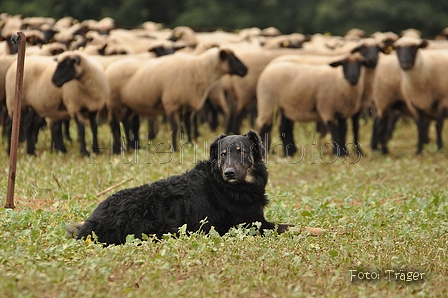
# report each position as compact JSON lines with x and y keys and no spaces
{"x":73,"y":87}
{"x":242,"y":90}
{"x":424,"y":83}
{"x":309,"y":92}
{"x":389,"y":101}
{"x":169,"y":84}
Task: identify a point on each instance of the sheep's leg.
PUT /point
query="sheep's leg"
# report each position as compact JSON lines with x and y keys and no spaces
{"x":212,"y":115}
{"x":342,"y":128}
{"x":94,"y":129}
{"x":355,"y":128}
{"x":265,"y":134}
{"x":174,"y":122}
{"x":321,"y":129}
{"x":194,"y":120}
{"x":187,"y":122}
{"x":115,"y":130}
{"x":391,"y":123}
{"x":82,"y":137}
{"x":234,"y":123}
{"x":8,"y":132}
{"x":40,"y":122}
{"x":338,"y":130}
{"x":28,"y":127}
{"x":439,"y":128}
{"x":422,"y":129}
{"x":132,"y":124}
{"x":375,"y":133}
{"x":66,"y":124}
{"x":384,"y":132}
{"x":286,"y":131}
{"x":152,"y":128}
{"x":57,"y":141}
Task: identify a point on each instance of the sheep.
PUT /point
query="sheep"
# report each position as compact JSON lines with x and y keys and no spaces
{"x":74,"y":86}
{"x":241,"y":90}
{"x":389,"y":101}
{"x":294,"y":40}
{"x":323,"y":93}
{"x":170,"y":83}
{"x":424,"y":83}
{"x":192,"y":38}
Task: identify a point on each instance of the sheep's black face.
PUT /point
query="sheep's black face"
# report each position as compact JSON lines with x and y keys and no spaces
{"x":406,"y":56}
{"x":236,"y":67}
{"x":351,"y":68}
{"x":65,"y":71}
{"x":370,"y":53}
{"x":352,"y":71}
{"x":236,"y":156}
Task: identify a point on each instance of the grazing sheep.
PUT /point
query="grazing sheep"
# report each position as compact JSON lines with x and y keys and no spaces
{"x":323,"y":93}
{"x":172,"y":84}
{"x":73,"y":87}
{"x":424,"y":83}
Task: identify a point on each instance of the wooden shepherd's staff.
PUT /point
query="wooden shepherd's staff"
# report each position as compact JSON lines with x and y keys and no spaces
{"x":21,"y":40}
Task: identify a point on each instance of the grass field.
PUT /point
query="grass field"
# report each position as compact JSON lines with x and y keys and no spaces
{"x":385,"y":219}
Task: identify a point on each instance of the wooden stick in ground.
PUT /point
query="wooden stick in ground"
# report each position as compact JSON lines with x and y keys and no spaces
{"x":113,"y":187}
{"x":21,"y":40}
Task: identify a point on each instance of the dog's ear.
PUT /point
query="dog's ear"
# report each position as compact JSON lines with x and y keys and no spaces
{"x":257,"y":147}
{"x":214,"y":148}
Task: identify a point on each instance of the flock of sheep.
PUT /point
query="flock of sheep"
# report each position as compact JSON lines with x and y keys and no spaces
{"x":90,"y":71}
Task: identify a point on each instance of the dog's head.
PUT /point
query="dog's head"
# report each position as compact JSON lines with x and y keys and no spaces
{"x":237,"y":155}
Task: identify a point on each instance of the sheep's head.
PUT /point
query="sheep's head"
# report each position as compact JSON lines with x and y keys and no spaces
{"x":233,"y":64}
{"x":67,"y":69}
{"x":407,"y":48}
{"x":369,"y":49}
{"x":351,"y":66}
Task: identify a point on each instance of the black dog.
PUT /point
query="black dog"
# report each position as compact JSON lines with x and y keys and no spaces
{"x":226,"y":190}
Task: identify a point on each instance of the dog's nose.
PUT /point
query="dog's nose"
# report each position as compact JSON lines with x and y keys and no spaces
{"x":229,"y":172}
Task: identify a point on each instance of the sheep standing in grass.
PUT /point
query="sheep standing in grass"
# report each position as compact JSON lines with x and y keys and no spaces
{"x":369,"y":49}
{"x":173,"y":84}
{"x":424,"y":82}
{"x":73,"y":87}
{"x":389,"y":101}
{"x":309,"y":92}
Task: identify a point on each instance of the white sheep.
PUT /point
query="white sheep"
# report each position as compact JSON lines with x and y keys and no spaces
{"x":242,"y":90}
{"x":168,"y":84}
{"x":310,"y":92}
{"x":424,"y":83}
{"x":389,"y":101}
{"x":73,"y":87}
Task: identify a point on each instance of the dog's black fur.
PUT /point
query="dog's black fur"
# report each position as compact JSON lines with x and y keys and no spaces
{"x":226,"y":190}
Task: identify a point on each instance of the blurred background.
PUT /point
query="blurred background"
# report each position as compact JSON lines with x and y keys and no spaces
{"x":304,"y":16}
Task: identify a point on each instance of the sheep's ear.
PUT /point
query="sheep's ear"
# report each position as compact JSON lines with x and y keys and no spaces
{"x":214,"y":148}
{"x":223,"y":54}
{"x":257,"y":148}
{"x":336,"y":63}
{"x":424,"y":44}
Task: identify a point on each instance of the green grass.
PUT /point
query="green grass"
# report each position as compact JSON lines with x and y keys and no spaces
{"x":381,"y":213}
